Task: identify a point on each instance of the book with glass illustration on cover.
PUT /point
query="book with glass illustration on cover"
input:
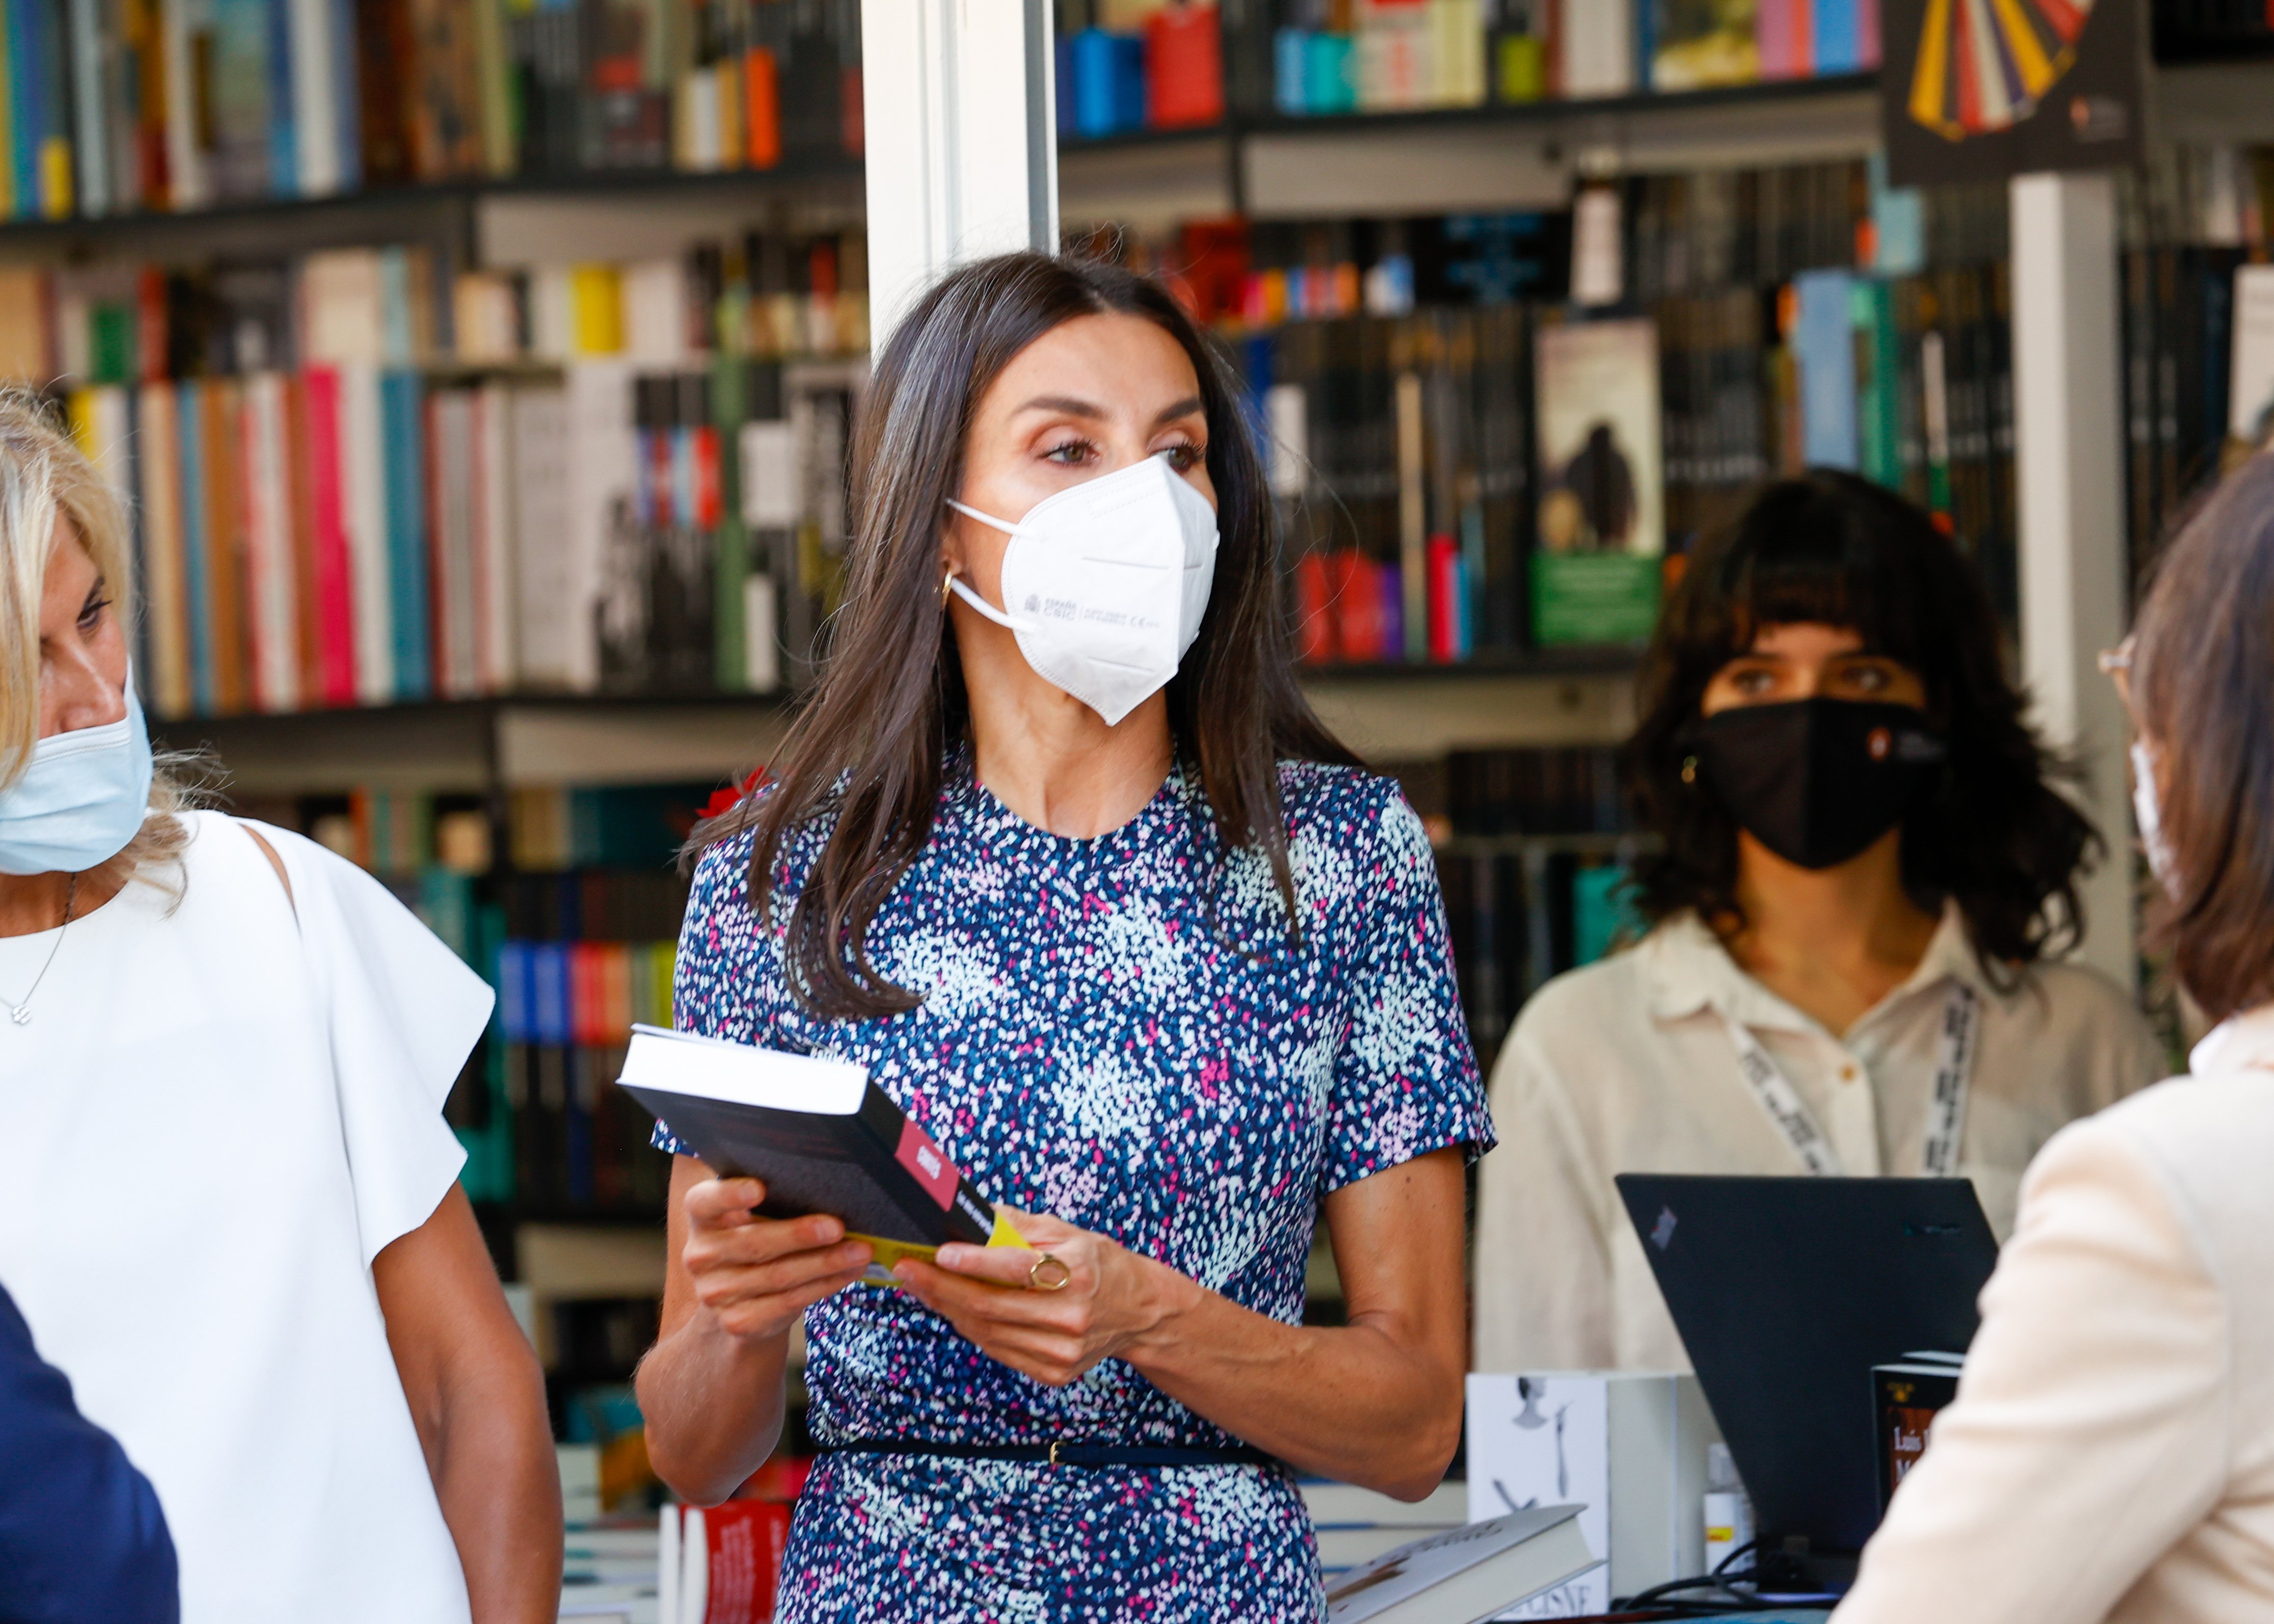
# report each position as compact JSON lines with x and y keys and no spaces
{"x":823,"y":1137}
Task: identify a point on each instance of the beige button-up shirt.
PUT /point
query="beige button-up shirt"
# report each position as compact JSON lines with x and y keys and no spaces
{"x":1627,"y":1066}
{"x":2111,"y":1452}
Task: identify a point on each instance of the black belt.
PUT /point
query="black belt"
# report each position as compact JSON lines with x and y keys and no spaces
{"x":1090,"y":1455}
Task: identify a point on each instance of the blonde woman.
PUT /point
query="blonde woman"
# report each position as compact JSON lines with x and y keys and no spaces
{"x":228,"y":1199}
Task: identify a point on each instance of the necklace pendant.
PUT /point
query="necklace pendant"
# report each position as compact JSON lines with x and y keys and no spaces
{"x":21,"y":1013}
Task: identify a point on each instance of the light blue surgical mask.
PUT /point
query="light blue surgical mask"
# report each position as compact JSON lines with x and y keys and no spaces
{"x":82,"y":798}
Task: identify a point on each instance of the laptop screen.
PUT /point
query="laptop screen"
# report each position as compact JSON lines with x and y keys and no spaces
{"x":1787,"y":1291}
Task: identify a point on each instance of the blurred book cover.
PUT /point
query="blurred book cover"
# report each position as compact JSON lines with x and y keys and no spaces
{"x":1601,"y":525}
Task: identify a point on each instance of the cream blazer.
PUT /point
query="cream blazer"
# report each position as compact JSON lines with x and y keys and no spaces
{"x":2111,"y":1452}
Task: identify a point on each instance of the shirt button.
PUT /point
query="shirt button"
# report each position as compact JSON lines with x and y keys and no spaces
{"x":1848,"y":1074}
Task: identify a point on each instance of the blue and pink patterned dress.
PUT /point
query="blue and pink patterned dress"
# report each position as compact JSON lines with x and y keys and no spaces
{"x":1118,"y":1032}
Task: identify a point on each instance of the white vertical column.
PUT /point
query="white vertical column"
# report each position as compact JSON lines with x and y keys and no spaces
{"x":2069,"y":460}
{"x":959,"y":105}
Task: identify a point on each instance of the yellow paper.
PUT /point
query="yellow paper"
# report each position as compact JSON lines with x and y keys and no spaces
{"x":890,"y":1253}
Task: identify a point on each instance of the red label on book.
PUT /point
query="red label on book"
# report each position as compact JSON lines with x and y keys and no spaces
{"x":933,"y":1171}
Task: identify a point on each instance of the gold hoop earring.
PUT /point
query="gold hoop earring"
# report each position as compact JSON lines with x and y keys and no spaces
{"x":946,"y":584}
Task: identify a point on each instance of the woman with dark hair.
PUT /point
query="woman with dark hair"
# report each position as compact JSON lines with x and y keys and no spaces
{"x":1060,"y":854}
{"x":1863,"y":869}
{"x":2110,"y":1455}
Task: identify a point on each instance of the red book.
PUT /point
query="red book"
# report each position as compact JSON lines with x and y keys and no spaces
{"x":1315,"y":622}
{"x":1184,"y":67}
{"x":330,"y":566}
{"x":1357,"y":607}
{"x":150,"y":340}
{"x":588,"y":1008}
{"x":1444,"y":600}
{"x":730,"y":1561}
{"x":761,"y":108}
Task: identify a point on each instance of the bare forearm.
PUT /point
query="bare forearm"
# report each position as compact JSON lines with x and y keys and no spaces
{"x":1347,"y":1402}
{"x":713,"y":1404}
{"x":499,"y":1488}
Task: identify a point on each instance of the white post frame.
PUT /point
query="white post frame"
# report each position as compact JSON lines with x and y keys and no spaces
{"x":958,"y":106}
{"x":2068,"y":463}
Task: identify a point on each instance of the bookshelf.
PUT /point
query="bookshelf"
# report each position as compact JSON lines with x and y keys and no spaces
{"x":480,"y":745}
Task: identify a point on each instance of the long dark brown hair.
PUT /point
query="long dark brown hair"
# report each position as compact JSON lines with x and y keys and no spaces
{"x":890,"y":714}
{"x":2203,"y":687}
{"x":1832,"y":549}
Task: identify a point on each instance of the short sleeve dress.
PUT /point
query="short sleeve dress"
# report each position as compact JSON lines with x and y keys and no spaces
{"x":1118,"y":1032}
{"x":224,"y":1105}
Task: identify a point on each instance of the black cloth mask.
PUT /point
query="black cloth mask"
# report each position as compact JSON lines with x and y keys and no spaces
{"x":1818,"y":780}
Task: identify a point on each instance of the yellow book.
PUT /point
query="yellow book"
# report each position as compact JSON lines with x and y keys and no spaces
{"x":596,"y":310}
{"x":55,"y":177}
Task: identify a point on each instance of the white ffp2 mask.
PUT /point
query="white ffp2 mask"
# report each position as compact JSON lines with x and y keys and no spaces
{"x":2149,"y":817}
{"x":1104,"y":584}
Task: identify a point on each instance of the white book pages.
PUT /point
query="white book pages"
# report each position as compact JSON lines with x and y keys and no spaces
{"x":743,"y":1074}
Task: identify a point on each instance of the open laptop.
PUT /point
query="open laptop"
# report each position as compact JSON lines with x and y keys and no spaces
{"x":1787,"y":1291}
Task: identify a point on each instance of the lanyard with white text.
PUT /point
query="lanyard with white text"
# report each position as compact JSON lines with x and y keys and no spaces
{"x":1946,"y":1111}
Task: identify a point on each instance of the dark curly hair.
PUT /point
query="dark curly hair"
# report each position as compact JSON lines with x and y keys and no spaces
{"x":1832,"y":549}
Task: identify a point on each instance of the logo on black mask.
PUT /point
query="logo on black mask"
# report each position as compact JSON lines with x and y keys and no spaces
{"x":1818,"y":780}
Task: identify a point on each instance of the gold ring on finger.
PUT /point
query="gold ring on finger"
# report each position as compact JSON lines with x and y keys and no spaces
{"x":1047,"y":1273}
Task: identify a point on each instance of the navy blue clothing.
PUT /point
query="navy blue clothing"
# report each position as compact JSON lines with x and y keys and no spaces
{"x":82,"y":1539}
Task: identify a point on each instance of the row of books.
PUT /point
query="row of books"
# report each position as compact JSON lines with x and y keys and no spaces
{"x":1536,"y":790}
{"x":1699,"y":232}
{"x":117,"y":106}
{"x":1470,"y":478}
{"x":349,"y":535}
{"x":763,"y":297}
{"x":1138,"y":64}
{"x":1329,"y":56}
{"x":1518,"y":918}
{"x":2182,"y":341}
{"x":1682,"y":233}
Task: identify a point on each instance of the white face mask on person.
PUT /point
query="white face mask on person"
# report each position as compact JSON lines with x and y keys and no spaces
{"x":1104,"y":584}
{"x":2149,"y":817}
{"x":80,"y":798}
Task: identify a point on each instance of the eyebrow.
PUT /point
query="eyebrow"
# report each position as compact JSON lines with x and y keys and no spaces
{"x":1074,"y":408}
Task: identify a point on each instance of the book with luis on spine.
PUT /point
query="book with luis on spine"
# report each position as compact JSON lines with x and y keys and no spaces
{"x":823,"y":1137}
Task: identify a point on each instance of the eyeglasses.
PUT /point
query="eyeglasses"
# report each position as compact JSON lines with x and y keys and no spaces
{"x":2116,"y":665}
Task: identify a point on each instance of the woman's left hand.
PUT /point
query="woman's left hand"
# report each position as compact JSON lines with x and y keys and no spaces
{"x":1111,"y":1297}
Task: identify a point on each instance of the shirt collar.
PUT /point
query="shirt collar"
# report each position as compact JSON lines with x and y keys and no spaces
{"x":2244,"y":1040}
{"x":1687,"y":969}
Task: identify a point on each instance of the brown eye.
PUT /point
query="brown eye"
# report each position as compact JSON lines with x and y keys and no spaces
{"x":1185,"y":458}
{"x":1069,"y":453}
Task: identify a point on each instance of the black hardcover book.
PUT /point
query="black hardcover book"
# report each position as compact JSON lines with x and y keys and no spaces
{"x":822,"y":1136}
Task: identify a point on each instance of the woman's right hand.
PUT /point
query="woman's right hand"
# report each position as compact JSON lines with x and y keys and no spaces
{"x":757,"y":1275}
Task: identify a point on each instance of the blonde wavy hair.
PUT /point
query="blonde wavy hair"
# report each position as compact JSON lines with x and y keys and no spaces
{"x":44,"y":478}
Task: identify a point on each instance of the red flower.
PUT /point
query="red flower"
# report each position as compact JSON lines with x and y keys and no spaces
{"x":725,"y":801}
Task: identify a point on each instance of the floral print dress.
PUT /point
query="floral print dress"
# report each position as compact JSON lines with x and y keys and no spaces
{"x":1119,"y":1032}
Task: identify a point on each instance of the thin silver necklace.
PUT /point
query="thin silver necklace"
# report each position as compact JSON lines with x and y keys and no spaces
{"x":20,"y":1012}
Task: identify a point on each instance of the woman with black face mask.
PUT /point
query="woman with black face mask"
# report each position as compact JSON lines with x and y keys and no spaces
{"x":1862,"y":872}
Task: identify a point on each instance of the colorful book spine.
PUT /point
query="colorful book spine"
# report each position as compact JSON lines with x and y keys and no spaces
{"x":404,"y":428}
{"x":197,"y":475}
